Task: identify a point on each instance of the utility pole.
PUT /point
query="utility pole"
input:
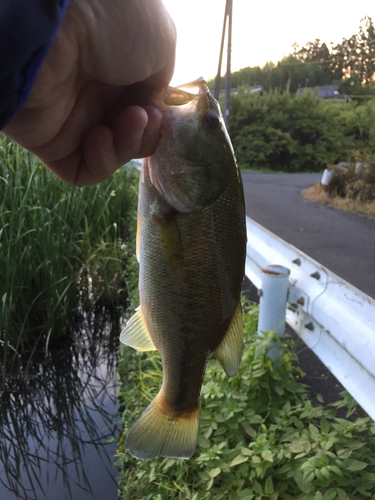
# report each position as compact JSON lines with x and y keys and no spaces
{"x":228,"y":76}
{"x":228,"y":79}
{"x":218,"y":75}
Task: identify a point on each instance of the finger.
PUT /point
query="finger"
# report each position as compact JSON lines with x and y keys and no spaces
{"x":135,"y":134}
{"x":142,"y":145}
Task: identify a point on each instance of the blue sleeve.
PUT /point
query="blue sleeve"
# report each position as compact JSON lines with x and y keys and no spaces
{"x":27,"y":31}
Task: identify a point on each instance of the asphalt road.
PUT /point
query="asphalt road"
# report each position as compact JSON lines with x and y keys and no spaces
{"x":341,"y":241}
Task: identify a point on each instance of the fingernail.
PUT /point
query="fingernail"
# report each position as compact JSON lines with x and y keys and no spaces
{"x":154,"y":121}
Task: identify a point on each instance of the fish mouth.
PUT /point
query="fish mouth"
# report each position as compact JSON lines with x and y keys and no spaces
{"x":186,"y":101}
{"x":185,"y":93}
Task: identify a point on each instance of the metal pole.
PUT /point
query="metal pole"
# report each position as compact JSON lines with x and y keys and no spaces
{"x":218,"y":76}
{"x":272,"y":303}
{"x":228,"y":79}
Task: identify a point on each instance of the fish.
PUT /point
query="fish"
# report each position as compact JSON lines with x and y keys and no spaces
{"x":191,"y":247}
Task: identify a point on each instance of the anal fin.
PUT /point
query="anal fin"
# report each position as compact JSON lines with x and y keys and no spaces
{"x":229,"y":351}
{"x":136,"y":334}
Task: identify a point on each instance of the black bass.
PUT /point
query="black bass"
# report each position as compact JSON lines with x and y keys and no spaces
{"x":191,"y":245}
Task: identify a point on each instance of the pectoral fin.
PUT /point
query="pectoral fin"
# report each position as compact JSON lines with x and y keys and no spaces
{"x":136,"y":334}
{"x":170,"y":239}
{"x":229,"y":351}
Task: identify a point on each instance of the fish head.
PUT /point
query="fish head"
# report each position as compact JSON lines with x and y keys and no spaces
{"x":193,"y":160}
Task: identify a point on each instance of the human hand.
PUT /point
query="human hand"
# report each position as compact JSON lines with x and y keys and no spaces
{"x":93,"y":106}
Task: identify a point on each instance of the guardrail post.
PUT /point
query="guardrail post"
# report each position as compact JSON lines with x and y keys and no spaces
{"x":272,"y":303}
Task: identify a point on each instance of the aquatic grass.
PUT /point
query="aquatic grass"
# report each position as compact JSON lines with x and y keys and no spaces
{"x":61,"y":248}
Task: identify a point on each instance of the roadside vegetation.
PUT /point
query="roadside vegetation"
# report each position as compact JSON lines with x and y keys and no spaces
{"x":350,"y":190}
{"x":260,"y":435}
{"x":279,"y":132}
{"x":62,"y":249}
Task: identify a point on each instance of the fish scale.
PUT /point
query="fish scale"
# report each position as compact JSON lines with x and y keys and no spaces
{"x":192,"y":239}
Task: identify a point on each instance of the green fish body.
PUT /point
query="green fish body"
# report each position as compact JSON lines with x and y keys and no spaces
{"x":191,"y":248}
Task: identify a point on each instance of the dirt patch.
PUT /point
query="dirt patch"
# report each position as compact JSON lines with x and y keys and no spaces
{"x":318,"y":194}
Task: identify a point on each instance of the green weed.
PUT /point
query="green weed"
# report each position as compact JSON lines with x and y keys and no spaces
{"x":61,"y":248}
{"x":260,"y":436}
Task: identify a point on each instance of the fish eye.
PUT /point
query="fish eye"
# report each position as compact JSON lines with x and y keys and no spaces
{"x":211,"y":120}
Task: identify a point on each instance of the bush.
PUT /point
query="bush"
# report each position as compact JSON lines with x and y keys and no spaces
{"x":260,"y":436}
{"x":300,"y":134}
{"x":359,"y":123}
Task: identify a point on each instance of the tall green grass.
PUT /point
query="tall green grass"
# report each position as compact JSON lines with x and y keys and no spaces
{"x":61,"y":248}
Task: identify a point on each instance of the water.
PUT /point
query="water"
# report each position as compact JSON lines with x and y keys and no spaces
{"x":58,"y":424}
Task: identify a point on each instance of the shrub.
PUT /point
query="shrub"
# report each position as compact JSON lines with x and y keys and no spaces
{"x":299,"y":134}
{"x":359,"y":123}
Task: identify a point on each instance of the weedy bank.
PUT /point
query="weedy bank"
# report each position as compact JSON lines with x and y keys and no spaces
{"x":62,"y":249}
{"x":260,"y":436}
{"x":350,"y":190}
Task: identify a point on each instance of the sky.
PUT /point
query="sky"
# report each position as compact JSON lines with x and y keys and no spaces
{"x":262,"y":30}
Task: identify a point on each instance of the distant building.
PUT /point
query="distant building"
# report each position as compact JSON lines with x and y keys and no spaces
{"x":325,"y":92}
{"x":258,"y":89}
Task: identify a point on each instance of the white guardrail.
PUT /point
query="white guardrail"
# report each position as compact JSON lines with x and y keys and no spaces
{"x":334,"y":319}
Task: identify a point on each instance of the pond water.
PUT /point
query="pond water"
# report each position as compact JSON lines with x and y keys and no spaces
{"x":59,"y":423}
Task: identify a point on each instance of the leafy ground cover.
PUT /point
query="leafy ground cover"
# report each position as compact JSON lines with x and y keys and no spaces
{"x":260,"y":435}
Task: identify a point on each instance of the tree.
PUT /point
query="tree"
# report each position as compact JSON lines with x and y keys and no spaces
{"x":366,"y":45}
{"x":315,"y":52}
{"x":356,"y":55}
{"x":316,"y":64}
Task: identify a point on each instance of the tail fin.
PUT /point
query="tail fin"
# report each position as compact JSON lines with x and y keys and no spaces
{"x":160,"y":432}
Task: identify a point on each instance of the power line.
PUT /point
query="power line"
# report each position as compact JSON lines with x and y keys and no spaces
{"x":317,"y":62}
